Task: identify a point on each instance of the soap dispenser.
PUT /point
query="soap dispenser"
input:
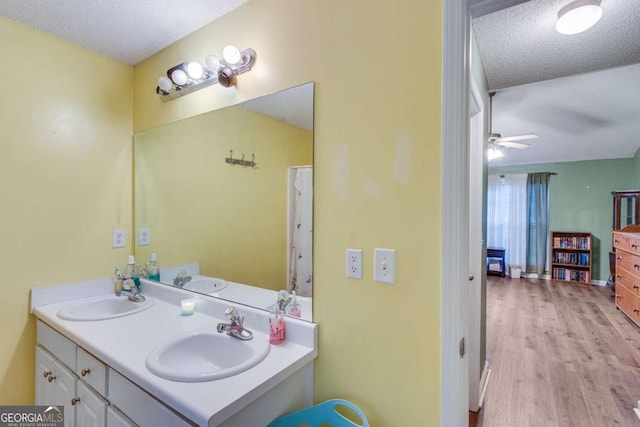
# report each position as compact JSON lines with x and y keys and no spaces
{"x":276,"y":325}
{"x":131,"y":272}
{"x":152,"y":268}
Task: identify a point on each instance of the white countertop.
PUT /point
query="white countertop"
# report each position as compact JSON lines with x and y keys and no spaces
{"x":123,"y":343}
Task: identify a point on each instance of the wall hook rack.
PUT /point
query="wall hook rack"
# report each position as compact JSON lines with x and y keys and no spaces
{"x":242,"y":162}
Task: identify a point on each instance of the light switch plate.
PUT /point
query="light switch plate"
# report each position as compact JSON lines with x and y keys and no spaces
{"x":384,"y":265}
{"x":118,"y":239}
{"x":144,"y":237}
{"x":354,"y":263}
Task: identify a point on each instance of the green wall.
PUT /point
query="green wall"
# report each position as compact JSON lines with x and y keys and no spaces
{"x":635,"y":182}
{"x":580,"y":198}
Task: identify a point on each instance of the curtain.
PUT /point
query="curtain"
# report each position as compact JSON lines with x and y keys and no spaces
{"x":301,"y":244}
{"x":538,"y":221}
{"x":507,"y":216}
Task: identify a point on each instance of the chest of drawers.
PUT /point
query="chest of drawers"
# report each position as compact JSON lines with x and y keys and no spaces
{"x":627,"y":276}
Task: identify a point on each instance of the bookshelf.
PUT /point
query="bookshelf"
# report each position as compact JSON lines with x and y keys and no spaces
{"x":571,"y":256}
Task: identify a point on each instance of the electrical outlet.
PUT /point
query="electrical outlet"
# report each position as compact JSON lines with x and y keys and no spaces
{"x":354,"y":263}
{"x":118,"y":239}
{"x":384,"y":266}
{"x":144,"y":237}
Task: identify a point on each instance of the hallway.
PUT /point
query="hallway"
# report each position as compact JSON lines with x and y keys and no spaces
{"x":560,"y":354}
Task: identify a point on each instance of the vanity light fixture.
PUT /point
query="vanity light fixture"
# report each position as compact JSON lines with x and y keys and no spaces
{"x":578,"y":16}
{"x":188,"y":77}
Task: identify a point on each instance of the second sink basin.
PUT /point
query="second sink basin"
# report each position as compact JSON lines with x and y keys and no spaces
{"x":205,"y":285}
{"x":103,"y":308}
{"x":206,"y":356}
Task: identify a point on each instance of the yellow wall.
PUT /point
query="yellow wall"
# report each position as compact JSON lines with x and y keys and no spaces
{"x":65,"y":126}
{"x":376,"y":177}
{"x":232,"y":219}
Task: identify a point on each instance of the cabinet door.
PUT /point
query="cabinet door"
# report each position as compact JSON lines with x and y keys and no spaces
{"x":64,"y":382}
{"x":45,"y":392}
{"x":91,"y":409}
{"x":116,"y":418}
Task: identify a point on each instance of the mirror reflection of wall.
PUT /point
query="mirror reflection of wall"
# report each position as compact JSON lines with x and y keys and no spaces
{"x":231,"y":219}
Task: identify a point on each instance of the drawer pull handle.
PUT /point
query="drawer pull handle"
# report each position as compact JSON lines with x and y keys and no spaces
{"x":75,"y":400}
{"x":616,"y":241}
{"x":619,"y":258}
{"x":618,"y":276}
{"x":636,"y":287}
{"x":46,"y":374}
{"x":636,"y":266}
{"x":51,"y":378}
{"x":619,"y":296}
{"x":634,"y":246}
{"x":635,"y":310}
{"x":85,"y":372}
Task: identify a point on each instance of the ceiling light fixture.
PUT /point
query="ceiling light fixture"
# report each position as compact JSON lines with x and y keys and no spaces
{"x":578,"y":16}
{"x":494,"y":153}
{"x":188,"y":77}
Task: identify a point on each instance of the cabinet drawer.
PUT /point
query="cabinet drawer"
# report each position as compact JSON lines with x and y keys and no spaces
{"x":628,"y":261}
{"x":93,"y":371}
{"x":628,"y":280}
{"x":140,"y":406}
{"x":627,"y":242}
{"x":629,"y":303}
{"x":60,"y":346}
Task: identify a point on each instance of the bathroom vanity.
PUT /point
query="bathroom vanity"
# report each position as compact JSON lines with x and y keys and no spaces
{"x":97,"y":369}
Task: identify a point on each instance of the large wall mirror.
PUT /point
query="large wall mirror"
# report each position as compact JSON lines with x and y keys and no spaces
{"x":227,"y":199}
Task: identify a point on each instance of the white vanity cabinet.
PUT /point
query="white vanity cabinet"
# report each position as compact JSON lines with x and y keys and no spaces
{"x":55,"y":384}
{"x":65,"y":375}
{"x":68,"y":375}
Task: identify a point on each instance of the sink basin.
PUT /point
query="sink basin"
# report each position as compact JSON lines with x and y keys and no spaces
{"x":205,"y":285}
{"x":103,"y":308}
{"x":206,"y":356}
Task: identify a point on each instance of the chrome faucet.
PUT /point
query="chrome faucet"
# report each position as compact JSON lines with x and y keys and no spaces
{"x":131,"y":290}
{"x":181,"y":278}
{"x":234,"y":328}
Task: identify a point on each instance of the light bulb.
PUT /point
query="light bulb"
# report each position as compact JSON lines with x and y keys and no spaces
{"x":495,"y":153}
{"x":231,"y":55}
{"x":212,"y":63}
{"x":165,"y":84}
{"x":578,"y":16}
{"x":179,"y":77}
{"x":195,"y":70}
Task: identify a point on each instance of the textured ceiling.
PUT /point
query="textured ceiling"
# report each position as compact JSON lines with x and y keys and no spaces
{"x":519,"y":45}
{"x":126,"y":30}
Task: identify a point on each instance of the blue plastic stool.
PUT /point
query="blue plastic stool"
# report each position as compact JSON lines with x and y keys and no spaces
{"x":324,"y":412}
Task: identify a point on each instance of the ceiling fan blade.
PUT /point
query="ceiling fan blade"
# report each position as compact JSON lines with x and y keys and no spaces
{"x":519,"y":137}
{"x":512,"y":144}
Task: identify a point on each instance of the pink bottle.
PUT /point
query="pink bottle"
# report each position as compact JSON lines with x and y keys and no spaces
{"x":295,"y":307}
{"x":276,"y":326}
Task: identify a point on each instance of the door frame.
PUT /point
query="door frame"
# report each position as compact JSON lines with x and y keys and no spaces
{"x":454,"y":369}
{"x":477,"y":278}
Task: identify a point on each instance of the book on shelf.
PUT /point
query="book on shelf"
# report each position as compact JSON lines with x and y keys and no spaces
{"x":574,"y":242}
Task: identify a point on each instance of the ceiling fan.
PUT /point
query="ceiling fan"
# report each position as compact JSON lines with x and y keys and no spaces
{"x":506,"y":141}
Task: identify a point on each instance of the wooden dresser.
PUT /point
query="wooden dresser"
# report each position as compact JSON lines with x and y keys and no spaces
{"x":626,"y":243}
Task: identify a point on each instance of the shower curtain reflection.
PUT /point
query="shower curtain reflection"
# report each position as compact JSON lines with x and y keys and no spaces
{"x":300,"y":230}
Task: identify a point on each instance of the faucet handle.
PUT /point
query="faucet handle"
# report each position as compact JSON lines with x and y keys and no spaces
{"x":234,"y":317}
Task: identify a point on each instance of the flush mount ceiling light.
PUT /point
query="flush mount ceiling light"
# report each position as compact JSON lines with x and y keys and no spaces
{"x":187,"y":77}
{"x":578,"y":16}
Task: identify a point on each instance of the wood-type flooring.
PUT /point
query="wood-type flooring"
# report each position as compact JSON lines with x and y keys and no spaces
{"x":560,"y":355}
